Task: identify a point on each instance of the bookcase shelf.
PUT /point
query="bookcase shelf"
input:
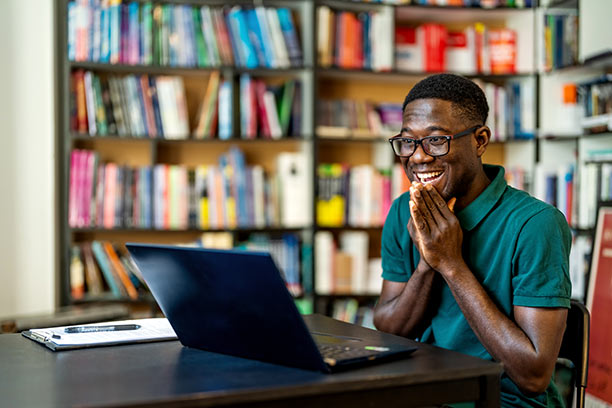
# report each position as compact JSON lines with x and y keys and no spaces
{"x":148,"y":231}
{"x":351,"y":5}
{"x":145,"y":69}
{"x":395,"y":75}
{"x":236,"y":139}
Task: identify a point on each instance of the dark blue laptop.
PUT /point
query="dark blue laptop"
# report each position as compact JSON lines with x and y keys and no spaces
{"x":235,"y":302}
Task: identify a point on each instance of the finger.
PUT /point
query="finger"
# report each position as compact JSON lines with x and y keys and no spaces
{"x":440,"y":208}
{"x":419,"y":201}
{"x":436,"y":217}
{"x":417,"y":218}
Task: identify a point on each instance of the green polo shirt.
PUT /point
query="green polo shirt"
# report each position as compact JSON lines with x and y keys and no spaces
{"x":518,"y":249}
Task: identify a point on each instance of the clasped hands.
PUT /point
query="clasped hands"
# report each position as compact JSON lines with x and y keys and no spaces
{"x":435,"y":229}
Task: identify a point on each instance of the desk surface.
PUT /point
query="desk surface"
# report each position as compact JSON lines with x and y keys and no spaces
{"x":167,"y":374}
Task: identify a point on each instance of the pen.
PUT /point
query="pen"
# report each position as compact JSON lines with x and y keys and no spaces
{"x":93,"y":329}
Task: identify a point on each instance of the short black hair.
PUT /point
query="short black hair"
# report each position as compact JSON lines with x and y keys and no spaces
{"x":467,"y":97}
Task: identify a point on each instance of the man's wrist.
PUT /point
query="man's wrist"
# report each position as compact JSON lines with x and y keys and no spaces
{"x":423,"y":267}
{"x":453,"y":269}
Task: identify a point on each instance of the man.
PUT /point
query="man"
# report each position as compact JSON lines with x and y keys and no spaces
{"x":469,"y":263}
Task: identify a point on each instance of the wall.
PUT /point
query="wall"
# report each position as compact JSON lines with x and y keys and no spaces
{"x":27,"y":203}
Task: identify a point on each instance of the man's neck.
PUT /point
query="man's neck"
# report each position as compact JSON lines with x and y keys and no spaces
{"x":478,"y":185}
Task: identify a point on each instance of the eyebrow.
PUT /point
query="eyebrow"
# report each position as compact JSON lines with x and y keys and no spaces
{"x":429,"y":129}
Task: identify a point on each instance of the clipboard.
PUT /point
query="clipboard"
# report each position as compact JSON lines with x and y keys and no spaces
{"x":57,"y":339}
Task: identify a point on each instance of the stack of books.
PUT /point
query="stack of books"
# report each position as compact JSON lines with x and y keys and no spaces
{"x":144,"y":33}
{"x":358,"y":196}
{"x":355,"y":40}
{"x":477,"y":49}
{"x":354,"y":118}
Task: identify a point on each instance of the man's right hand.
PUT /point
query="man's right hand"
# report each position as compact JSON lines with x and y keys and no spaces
{"x":423,"y":265}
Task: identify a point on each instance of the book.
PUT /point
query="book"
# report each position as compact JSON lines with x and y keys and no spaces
{"x":502,"y":51}
{"x":106,"y":268}
{"x":57,"y":338}
{"x":120,"y":270}
{"x":324,"y":248}
{"x":290,"y":36}
{"x":295,"y":194}
{"x":207,"y":113}
{"x":77,"y":273}
{"x":408,"y":49}
{"x":93,"y":278}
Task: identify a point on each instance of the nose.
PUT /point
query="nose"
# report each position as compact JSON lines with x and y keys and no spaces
{"x":419,"y":156}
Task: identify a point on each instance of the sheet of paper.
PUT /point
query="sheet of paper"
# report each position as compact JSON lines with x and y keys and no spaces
{"x":150,"y":329}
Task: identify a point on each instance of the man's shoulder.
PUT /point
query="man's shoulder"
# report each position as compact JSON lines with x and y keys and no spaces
{"x":520,"y":206}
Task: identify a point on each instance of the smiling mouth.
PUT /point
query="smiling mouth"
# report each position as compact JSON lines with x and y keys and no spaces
{"x":428,"y":177}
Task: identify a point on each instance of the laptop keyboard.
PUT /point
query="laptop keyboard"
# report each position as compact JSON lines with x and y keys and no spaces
{"x":335,"y":352}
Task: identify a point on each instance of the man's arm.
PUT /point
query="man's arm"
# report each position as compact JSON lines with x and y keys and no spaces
{"x":527,"y":346}
{"x":402,"y":305}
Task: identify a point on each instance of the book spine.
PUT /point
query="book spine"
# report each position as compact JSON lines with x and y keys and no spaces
{"x":290,"y":35}
{"x":105,"y":267}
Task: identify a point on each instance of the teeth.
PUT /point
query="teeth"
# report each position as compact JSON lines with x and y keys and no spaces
{"x":428,"y":177}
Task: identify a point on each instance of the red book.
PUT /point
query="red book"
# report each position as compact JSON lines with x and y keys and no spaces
{"x":599,"y":303}
{"x":435,"y":47}
{"x":223,"y":40}
{"x":260,"y":90}
{"x":358,"y":43}
{"x":348,"y":22}
{"x":502,"y":51}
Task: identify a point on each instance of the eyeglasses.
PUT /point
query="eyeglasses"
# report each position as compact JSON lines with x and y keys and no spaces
{"x":438,"y":145}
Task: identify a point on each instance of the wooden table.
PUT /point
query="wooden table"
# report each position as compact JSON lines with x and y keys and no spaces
{"x":167,"y":374}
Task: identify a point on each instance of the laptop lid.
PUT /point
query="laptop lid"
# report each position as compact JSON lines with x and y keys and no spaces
{"x":235,"y":302}
{"x":228,"y":301}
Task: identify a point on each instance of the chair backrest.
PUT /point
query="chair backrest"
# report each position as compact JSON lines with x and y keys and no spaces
{"x":575,"y":347}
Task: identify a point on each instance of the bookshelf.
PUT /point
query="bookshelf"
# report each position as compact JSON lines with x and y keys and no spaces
{"x":174,"y":57}
{"x":338,"y":80}
{"x":572,"y":141}
{"x":369,"y":84}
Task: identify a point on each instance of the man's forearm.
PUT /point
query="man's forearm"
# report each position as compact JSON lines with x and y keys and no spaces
{"x":528,"y":367}
{"x":403,"y":312}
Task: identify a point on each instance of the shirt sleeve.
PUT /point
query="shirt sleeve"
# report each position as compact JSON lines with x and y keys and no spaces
{"x":393,"y":236}
{"x":541,"y":261}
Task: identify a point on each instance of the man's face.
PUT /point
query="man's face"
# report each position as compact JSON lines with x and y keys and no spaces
{"x":452,"y":173}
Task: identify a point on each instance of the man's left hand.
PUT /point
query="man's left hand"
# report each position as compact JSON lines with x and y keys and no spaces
{"x":438,"y":233}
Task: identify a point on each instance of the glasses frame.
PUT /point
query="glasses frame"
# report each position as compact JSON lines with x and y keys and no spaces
{"x":418,"y":142}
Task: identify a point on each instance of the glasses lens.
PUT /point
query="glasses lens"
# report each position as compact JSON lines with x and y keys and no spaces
{"x":403,"y":147}
{"x":435,"y":145}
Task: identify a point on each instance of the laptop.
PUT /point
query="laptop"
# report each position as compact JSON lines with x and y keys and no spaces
{"x":235,"y":302}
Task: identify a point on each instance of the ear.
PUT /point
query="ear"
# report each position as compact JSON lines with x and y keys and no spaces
{"x":482,"y":137}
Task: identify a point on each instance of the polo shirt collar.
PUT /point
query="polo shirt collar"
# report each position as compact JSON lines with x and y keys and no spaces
{"x":478,"y":209}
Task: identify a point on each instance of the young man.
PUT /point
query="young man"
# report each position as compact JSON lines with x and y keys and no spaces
{"x":469,"y":263}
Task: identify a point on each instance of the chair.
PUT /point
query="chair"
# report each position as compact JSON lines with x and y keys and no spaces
{"x":575,"y":348}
